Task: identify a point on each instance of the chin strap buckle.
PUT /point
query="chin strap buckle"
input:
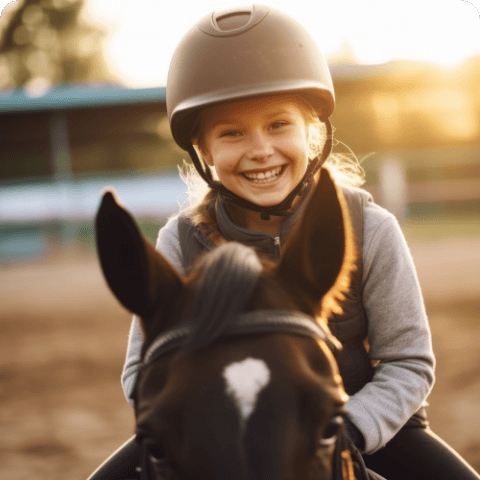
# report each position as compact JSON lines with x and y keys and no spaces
{"x":264,"y":214}
{"x":303,"y":189}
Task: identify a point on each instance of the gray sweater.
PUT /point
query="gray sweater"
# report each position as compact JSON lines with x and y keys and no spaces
{"x":398,"y":330}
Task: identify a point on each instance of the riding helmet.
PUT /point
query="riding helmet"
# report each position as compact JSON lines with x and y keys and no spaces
{"x":242,"y":53}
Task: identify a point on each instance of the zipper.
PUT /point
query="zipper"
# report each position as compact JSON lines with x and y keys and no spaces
{"x":278,"y":246}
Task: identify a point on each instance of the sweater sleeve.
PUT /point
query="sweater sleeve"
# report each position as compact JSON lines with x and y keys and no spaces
{"x":168,"y":244}
{"x":398,"y":334}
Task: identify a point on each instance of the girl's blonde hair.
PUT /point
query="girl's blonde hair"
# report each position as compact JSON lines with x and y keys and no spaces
{"x":344,"y":167}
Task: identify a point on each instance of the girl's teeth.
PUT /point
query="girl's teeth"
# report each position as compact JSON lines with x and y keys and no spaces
{"x":264,"y":177}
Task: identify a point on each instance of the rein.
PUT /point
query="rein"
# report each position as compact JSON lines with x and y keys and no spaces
{"x":250,"y":323}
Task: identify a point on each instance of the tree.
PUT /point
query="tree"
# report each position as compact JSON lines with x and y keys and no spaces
{"x":46,"y":42}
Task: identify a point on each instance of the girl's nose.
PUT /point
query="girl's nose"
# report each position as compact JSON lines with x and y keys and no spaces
{"x":260,"y":147}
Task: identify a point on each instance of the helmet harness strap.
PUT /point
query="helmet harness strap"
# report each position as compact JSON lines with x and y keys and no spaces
{"x":282,"y":208}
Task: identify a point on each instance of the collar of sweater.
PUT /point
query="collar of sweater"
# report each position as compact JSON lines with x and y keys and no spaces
{"x":261,"y":242}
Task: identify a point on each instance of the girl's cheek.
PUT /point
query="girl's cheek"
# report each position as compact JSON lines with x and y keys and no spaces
{"x":224,"y":162}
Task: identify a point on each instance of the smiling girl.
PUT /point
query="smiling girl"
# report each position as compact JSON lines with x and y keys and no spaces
{"x":249,"y":96}
{"x":259,"y":149}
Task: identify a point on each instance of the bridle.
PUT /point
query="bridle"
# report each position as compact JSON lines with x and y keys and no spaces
{"x":255,"y":322}
{"x":249,"y":323}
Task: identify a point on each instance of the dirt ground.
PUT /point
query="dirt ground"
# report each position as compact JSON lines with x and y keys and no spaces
{"x":63,"y":340}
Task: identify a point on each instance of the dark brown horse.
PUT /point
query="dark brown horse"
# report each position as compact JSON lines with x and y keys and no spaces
{"x":238,"y":380}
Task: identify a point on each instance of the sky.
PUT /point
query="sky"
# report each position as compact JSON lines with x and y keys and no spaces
{"x":142,"y":35}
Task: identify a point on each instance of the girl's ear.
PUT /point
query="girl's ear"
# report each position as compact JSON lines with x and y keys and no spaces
{"x":313,"y":257}
{"x":206,"y":157}
{"x":136,"y":273}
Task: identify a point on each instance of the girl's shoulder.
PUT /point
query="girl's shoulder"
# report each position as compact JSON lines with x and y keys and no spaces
{"x":168,"y":244}
{"x":182,"y":242}
{"x":383,"y":244}
{"x":168,"y":233}
{"x":357,"y":198}
{"x":374,"y":223}
{"x":379,"y":220}
{"x":361,"y":201}
{"x":383,"y":237}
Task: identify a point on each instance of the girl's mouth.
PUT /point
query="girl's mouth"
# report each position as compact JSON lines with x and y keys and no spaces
{"x":266,"y":176}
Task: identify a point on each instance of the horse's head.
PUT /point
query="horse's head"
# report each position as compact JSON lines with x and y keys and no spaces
{"x":238,"y":380}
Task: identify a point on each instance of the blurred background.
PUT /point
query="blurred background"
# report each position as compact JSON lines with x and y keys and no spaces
{"x":82,"y":107}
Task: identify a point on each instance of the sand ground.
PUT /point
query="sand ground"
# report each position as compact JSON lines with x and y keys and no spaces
{"x":62,"y":410}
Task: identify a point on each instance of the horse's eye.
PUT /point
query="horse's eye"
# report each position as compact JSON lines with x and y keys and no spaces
{"x":158,"y":462}
{"x":155,"y":453}
{"x":161,"y":468}
{"x":330,"y":435}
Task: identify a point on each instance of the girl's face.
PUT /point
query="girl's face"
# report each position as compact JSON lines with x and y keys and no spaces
{"x":259,"y":147}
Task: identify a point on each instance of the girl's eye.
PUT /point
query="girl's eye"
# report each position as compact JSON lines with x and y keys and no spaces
{"x":278,"y":124}
{"x":230,"y":133}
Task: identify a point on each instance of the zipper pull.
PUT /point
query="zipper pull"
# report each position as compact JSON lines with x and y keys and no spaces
{"x":278,"y":246}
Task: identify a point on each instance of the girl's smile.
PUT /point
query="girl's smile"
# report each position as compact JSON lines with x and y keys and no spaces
{"x":259,"y":147}
{"x":264,"y":176}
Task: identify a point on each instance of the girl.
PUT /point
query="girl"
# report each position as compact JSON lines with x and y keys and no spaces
{"x":249,"y":96}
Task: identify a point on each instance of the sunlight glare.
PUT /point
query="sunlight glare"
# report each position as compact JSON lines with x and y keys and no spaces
{"x":143,"y":36}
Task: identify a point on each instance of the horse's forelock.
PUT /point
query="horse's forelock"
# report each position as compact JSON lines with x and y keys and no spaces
{"x":226,"y":280}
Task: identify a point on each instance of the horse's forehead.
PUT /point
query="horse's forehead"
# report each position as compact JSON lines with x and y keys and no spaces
{"x":244,"y":381}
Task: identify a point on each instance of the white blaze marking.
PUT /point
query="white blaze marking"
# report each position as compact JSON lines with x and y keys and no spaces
{"x":245,"y":380}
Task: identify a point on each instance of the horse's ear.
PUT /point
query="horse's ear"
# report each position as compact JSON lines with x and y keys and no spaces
{"x":313,"y":256}
{"x":135,"y":272}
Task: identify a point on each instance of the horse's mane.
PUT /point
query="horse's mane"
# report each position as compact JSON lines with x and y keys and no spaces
{"x":226,"y":279}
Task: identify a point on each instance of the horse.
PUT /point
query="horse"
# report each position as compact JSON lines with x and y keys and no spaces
{"x":238,"y":378}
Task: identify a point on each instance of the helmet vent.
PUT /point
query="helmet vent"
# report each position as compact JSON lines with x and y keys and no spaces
{"x":233,"y":21}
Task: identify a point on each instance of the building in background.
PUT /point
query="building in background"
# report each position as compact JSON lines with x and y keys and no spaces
{"x":416,"y":127}
{"x":61,"y":149}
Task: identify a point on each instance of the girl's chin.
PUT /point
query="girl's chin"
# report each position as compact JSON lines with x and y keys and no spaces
{"x":267,"y":199}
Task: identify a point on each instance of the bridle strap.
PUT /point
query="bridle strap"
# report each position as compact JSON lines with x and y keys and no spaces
{"x":359,"y":460}
{"x":144,"y":444}
{"x":256,"y":322}
{"x":342,"y":460}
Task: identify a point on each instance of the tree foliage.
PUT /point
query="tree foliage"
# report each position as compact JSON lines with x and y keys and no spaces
{"x":46,"y":42}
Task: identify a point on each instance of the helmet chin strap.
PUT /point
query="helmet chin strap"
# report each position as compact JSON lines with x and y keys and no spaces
{"x":282,"y":208}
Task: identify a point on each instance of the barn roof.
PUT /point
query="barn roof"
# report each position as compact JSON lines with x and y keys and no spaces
{"x":78,"y":96}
